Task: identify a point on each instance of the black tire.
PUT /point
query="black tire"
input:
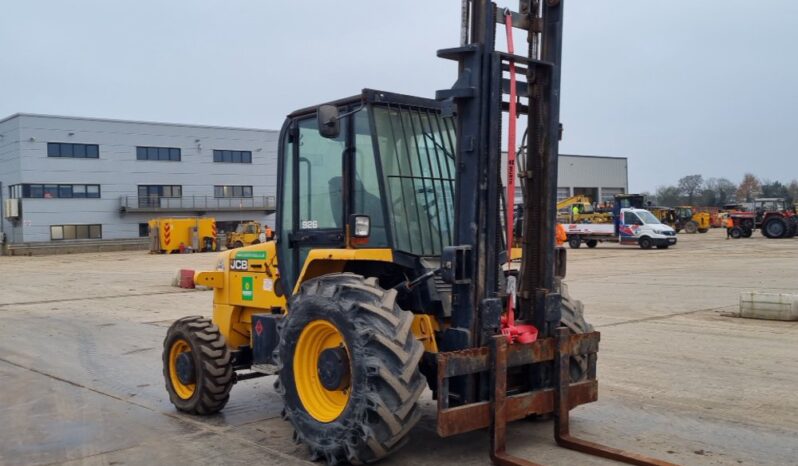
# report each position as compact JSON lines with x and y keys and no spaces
{"x":574,"y":241}
{"x":591,"y":243}
{"x":212,"y":368}
{"x":238,"y":244}
{"x":747,"y":223}
{"x":383,"y":354}
{"x":792,"y":228}
{"x":573,"y":317}
{"x":775,"y":228}
{"x":690,"y":227}
{"x":737,"y":232}
{"x":645,"y":242}
{"x":747,"y":232}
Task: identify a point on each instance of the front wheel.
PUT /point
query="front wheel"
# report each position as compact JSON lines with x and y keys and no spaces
{"x":574,"y":242}
{"x":197,"y":366}
{"x":747,"y":232}
{"x":690,"y":227}
{"x":736,"y":232}
{"x":349,"y":375}
{"x":645,"y":242}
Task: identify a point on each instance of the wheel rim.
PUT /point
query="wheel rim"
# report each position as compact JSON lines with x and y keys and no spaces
{"x":184,"y":391}
{"x":322,"y":404}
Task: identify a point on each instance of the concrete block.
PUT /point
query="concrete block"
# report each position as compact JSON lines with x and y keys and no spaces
{"x":769,"y":306}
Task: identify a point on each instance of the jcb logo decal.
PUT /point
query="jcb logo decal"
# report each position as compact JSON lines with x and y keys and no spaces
{"x":239,"y":264}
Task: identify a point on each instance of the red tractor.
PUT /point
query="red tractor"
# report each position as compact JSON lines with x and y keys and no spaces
{"x":774,"y":218}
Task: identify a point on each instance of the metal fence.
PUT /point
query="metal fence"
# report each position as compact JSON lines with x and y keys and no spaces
{"x":196,"y":203}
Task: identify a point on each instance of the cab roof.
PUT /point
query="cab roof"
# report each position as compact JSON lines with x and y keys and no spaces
{"x":373,"y":96}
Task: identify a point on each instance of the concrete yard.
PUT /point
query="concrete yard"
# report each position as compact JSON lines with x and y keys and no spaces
{"x":81,"y":383}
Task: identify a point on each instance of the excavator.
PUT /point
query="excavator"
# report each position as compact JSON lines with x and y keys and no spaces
{"x":391,"y":272}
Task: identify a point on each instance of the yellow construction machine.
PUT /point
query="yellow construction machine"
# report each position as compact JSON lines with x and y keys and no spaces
{"x":195,"y":234}
{"x":247,"y":234}
{"x":389,"y":272}
{"x":691,"y":221}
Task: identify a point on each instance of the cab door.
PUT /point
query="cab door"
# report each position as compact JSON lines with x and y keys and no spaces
{"x":312,"y":209}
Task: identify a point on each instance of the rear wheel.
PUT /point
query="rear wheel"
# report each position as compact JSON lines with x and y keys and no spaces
{"x":349,"y":375}
{"x":645,"y":242}
{"x":690,"y":227}
{"x":197,"y":366}
{"x":775,"y":228}
{"x":574,"y":242}
{"x":591,"y":243}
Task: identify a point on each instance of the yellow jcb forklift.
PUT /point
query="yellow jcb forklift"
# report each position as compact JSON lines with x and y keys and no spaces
{"x":390,"y":272}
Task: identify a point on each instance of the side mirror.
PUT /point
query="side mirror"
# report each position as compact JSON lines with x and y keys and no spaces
{"x":328,"y":121}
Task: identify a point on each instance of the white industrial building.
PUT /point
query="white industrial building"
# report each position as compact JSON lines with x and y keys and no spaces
{"x":600,"y":178}
{"x":71,"y":179}
{"x":68,"y":180}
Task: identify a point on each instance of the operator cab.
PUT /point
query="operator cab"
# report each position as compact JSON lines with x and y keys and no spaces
{"x":374,"y":171}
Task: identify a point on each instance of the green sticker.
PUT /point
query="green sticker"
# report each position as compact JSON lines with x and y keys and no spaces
{"x":251,"y":255}
{"x":246,"y":288}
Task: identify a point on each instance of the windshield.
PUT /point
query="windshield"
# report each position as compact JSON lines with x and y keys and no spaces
{"x":240,"y":228}
{"x":417,"y":157}
{"x":647,"y":217}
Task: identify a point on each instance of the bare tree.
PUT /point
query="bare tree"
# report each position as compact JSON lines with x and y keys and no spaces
{"x":749,"y":188}
{"x":792,"y":189}
{"x":669,"y":196}
{"x":690,"y":185}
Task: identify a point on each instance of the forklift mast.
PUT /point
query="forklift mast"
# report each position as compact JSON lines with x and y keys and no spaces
{"x":480,"y":100}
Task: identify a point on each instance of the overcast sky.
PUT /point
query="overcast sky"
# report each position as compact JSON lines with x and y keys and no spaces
{"x":679,"y":87}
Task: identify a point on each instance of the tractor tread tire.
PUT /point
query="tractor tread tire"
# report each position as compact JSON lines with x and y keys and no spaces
{"x":691,"y":227}
{"x":573,"y":317}
{"x":785,"y":228}
{"x":384,"y":355}
{"x":212,"y":359}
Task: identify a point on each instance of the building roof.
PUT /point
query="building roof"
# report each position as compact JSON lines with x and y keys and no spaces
{"x":114,"y":120}
{"x":594,"y":156}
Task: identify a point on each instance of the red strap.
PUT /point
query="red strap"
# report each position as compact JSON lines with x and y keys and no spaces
{"x":520,"y":333}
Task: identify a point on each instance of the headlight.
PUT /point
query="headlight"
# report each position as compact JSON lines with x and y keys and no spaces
{"x":361,"y":226}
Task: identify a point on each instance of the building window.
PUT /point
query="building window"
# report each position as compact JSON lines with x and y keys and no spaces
{"x":75,"y":151}
{"x":144,"y":230}
{"x":61,"y":232}
{"x":56,"y":191}
{"x":232,"y":156}
{"x":169,"y":154}
{"x":232,"y":191}
{"x":15,"y":191}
